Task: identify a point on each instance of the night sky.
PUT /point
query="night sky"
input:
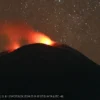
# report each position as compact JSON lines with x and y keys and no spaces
{"x":72,"y":22}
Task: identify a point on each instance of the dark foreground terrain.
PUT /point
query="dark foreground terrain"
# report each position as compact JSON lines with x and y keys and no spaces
{"x":42,"y":69}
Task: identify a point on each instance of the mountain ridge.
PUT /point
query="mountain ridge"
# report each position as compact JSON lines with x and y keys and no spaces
{"x":44,"y":69}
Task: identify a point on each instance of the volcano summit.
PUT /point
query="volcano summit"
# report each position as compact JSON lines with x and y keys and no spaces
{"x":43,"y":69}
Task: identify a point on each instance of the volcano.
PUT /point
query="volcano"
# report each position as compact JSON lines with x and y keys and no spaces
{"x":43,"y":69}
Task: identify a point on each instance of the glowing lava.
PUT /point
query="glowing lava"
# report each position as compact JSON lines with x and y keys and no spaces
{"x":46,"y":40}
{"x":17,"y":31}
{"x":38,"y":37}
{"x":13,"y":47}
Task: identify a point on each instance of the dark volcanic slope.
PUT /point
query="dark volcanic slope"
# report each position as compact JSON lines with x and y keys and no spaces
{"x":43,"y":58}
{"x":38,"y":68}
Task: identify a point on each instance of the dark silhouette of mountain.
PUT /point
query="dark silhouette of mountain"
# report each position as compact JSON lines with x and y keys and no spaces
{"x":43,"y":69}
{"x":3,"y":53}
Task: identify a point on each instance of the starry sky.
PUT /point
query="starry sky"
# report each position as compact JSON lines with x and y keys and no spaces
{"x":72,"y":22}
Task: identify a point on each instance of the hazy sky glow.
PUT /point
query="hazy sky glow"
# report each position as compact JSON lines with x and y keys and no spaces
{"x":72,"y":22}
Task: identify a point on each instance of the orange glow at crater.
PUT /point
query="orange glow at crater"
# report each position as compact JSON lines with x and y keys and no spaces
{"x":17,"y":31}
{"x":46,"y":41}
{"x":13,"y":47}
{"x":38,"y":37}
